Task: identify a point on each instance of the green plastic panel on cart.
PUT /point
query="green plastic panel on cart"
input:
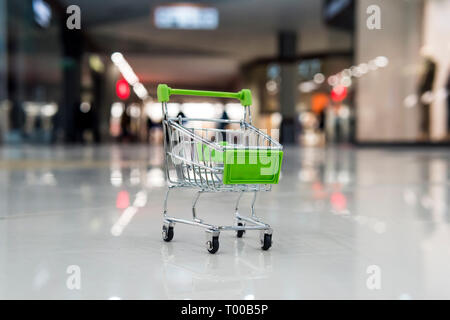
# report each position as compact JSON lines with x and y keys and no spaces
{"x":243,"y":166}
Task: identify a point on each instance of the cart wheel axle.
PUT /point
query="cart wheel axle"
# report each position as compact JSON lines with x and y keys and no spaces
{"x":266,"y":242}
{"x":167,"y":233}
{"x":240,"y":233}
{"x":213,"y":245}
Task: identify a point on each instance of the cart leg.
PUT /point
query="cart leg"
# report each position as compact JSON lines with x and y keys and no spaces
{"x":239,"y":222}
{"x":253,"y":204}
{"x":194,"y":214}
{"x":253,"y":218}
{"x":266,"y":234}
{"x":237,"y":202}
{"x":165,"y":202}
{"x":168,"y":225}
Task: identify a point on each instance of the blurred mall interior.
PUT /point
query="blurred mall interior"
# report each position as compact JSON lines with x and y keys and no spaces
{"x":357,"y":91}
{"x":316,"y":69}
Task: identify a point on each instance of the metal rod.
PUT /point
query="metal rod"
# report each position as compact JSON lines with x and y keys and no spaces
{"x":165,"y":201}
{"x":253,"y":204}
{"x":237,"y":202}
{"x":194,"y":215}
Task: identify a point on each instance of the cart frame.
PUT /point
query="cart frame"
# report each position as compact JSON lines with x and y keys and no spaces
{"x":193,"y":159}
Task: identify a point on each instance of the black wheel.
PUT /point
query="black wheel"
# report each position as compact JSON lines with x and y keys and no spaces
{"x":240,"y":233}
{"x":267,"y":242}
{"x":167,"y":233}
{"x":213,"y":245}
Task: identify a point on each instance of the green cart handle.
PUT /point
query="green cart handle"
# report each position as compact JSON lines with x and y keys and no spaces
{"x":164,"y":92}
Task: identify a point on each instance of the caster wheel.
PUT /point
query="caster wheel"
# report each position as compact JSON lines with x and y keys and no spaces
{"x":213,"y":245}
{"x":240,"y":233}
{"x":167,"y":233}
{"x":266,"y":243}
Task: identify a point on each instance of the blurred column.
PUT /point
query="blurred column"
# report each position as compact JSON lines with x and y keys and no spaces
{"x":72,"y":41}
{"x":3,"y":105}
{"x":16,"y":63}
{"x":109,"y":96}
{"x":287,"y":44}
{"x":382,"y":114}
{"x":436,"y":30}
{"x":3,"y":53}
{"x":98,"y":80}
{"x":3,"y":67}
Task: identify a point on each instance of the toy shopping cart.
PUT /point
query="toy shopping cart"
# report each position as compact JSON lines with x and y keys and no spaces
{"x":235,"y":157}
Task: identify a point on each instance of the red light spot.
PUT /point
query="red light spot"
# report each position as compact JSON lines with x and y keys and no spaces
{"x":122,"y":89}
{"x":123,"y":200}
{"x":339,"y":93}
{"x":338,"y":201}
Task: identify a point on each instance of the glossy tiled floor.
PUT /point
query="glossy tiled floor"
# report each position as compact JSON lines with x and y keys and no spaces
{"x":348,"y":223}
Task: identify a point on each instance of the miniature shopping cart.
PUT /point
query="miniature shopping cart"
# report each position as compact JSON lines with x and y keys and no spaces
{"x":218,"y":155}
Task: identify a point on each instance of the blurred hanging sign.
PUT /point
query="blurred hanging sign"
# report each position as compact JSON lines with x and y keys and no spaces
{"x":186,"y":16}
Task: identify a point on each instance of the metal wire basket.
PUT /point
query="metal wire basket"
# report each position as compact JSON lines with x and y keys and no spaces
{"x":201,"y":156}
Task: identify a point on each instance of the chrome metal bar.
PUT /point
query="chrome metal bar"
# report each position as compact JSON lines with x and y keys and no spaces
{"x":246,"y":227}
{"x":194,"y":215}
{"x":195,"y":137}
{"x":164,"y":125}
{"x":191,"y":162}
{"x":205,"y":120}
{"x":204,"y":163}
{"x":256,"y":226}
{"x":253,"y":220}
{"x":165,"y":201}
{"x":236,"y":209}
{"x":194,"y":223}
{"x":265,"y":135}
{"x":253,"y":204}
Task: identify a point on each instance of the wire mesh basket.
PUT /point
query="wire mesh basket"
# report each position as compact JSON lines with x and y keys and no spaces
{"x":205,"y":155}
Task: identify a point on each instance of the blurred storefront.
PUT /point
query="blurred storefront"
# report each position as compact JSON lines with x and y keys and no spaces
{"x":407,"y":101}
{"x":331,"y":79}
{"x":31,"y":73}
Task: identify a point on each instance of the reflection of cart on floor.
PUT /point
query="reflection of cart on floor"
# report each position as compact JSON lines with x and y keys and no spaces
{"x":212,"y":278}
{"x":218,"y":160}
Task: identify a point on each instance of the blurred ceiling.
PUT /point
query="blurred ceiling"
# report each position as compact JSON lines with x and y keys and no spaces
{"x":210,"y":58}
